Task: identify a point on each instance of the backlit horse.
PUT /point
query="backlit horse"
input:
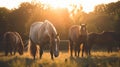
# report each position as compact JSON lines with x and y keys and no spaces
{"x":13,"y":42}
{"x":42,"y":34}
{"x":104,"y":40}
{"x":78,"y":36}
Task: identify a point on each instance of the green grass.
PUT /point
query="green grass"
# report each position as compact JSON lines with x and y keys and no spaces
{"x":98,"y":59}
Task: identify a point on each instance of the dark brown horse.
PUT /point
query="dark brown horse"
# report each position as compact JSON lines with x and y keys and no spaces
{"x":104,"y":40}
{"x":12,"y":43}
{"x":78,"y":36}
{"x":42,"y":34}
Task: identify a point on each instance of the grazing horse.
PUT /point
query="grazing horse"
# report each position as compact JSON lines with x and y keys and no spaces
{"x":102,"y":40}
{"x":78,"y":36}
{"x":42,"y":34}
{"x":12,"y":43}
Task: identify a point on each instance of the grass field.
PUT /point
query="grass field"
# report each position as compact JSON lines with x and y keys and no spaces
{"x":98,"y":59}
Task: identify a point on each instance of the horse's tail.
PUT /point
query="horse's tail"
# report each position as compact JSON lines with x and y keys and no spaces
{"x":33,"y":48}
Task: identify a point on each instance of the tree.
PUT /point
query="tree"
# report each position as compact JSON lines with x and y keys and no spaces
{"x":4,"y":13}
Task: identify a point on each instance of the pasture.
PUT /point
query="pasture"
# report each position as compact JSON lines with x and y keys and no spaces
{"x":97,"y":59}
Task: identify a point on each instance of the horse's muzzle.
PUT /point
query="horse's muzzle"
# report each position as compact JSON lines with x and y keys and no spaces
{"x":56,"y":54}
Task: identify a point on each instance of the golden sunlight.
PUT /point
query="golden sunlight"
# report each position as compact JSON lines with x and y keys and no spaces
{"x":87,"y":5}
{"x":10,"y":4}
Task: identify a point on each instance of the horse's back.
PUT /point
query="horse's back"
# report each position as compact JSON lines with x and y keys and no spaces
{"x":41,"y":30}
{"x":50,"y":28}
{"x":9,"y":36}
{"x":34,"y":31}
{"x":12,"y":37}
{"x":74,"y":32}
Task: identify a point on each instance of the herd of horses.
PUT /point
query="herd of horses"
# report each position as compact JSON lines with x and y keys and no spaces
{"x":44,"y":33}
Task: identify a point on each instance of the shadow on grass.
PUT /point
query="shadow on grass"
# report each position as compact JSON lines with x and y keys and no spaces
{"x":95,"y":61}
{"x":90,"y":61}
{"x":4,"y":64}
{"x":17,"y":62}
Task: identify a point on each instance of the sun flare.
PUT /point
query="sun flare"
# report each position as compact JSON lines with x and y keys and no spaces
{"x":88,"y":5}
{"x":61,"y":3}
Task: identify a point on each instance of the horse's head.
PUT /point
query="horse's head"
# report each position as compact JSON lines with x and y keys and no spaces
{"x":20,"y":48}
{"x":55,"y":45}
{"x":83,"y":27}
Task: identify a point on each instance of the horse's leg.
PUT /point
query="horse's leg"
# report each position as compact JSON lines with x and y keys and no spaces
{"x":86,"y":49}
{"x":76,"y":49}
{"x":78,"y":52}
{"x":6,"y":52}
{"x":71,"y":48}
{"x":33,"y":49}
{"x":10,"y":52}
{"x":41,"y":52}
{"x":90,"y":48}
{"x":15,"y":50}
{"x":83,"y":49}
{"x":89,"y":51}
{"x":109,"y":49}
{"x":90,"y":45}
{"x":51,"y":53}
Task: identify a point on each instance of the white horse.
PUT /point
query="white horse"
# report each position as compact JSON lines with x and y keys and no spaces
{"x":43,"y":33}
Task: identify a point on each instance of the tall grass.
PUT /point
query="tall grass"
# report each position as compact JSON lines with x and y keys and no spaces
{"x":98,"y":59}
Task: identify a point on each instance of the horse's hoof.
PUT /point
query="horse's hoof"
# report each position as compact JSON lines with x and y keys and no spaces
{"x":40,"y":57}
{"x":52,"y":59}
{"x":66,"y":60}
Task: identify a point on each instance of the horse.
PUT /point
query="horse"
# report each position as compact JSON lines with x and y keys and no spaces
{"x":77,"y":36}
{"x":42,"y":34}
{"x":115,"y":37}
{"x":12,"y":43}
{"x":102,"y":40}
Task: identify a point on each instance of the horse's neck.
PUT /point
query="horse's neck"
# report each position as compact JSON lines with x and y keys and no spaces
{"x":17,"y":37}
{"x":83,"y":32}
{"x":50,"y":30}
{"x":47,"y":32}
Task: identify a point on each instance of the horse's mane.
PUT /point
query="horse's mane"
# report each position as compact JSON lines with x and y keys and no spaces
{"x":21,"y":41}
{"x":51,"y":26}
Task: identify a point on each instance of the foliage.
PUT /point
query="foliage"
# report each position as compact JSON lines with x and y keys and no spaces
{"x":105,"y":17}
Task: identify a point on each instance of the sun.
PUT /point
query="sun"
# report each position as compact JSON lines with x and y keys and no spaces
{"x":61,"y":3}
{"x":88,"y":6}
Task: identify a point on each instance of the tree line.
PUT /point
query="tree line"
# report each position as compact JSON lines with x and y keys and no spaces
{"x":105,"y":17}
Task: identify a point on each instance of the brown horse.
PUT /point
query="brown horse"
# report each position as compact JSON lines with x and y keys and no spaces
{"x":12,"y":43}
{"x":42,"y":34}
{"x":78,"y":36}
{"x":104,"y":40}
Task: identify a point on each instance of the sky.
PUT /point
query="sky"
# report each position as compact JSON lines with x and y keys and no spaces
{"x":88,"y":5}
